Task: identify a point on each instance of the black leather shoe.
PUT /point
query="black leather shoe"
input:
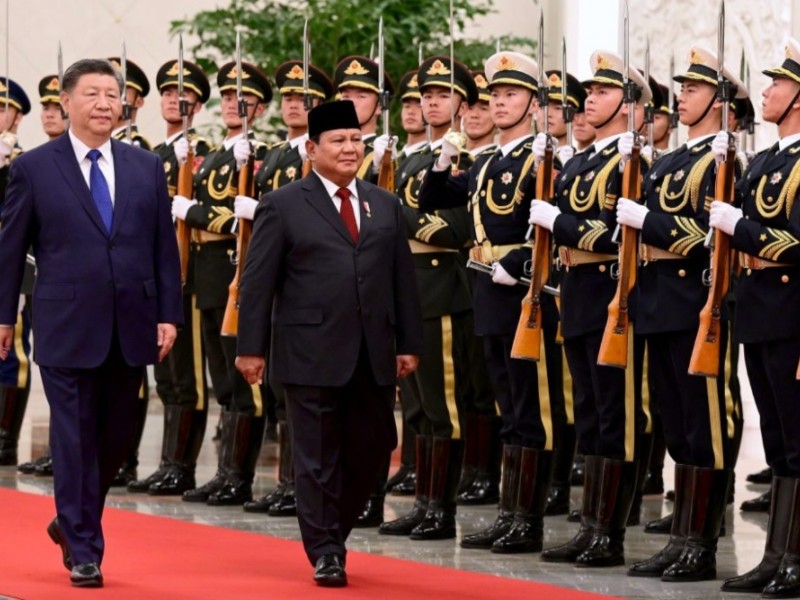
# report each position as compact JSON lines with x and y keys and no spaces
{"x":763,"y":476}
{"x":405,"y":486}
{"x":329,"y":571}
{"x":125,"y":475}
{"x":202,"y":493}
{"x":758,"y":504}
{"x":55,"y":533}
{"x":653,"y":483}
{"x":372,"y":516}
{"x":29,"y":468}
{"x":175,"y":481}
{"x":44,"y":467}
{"x":140,"y":486}
{"x":86,"y":575}
{"x":557,"y":501}
{"x":574,"y":516}
{"x":662,"y":525}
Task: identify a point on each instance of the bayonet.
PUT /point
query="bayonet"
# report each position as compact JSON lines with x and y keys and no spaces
{"x":428,"y":134}
{"x":126,"y":108}
{"x":649,"y":109}
{"x":452,"y":69}
{"x":383,"y":93}
{"x":64,"y":114}
{"x":8,"y":60}
{"x":567,"y":110}
{"x":307,"y":100}
{"x":239,"y":95}
{"x":673,"y":114}
{"x":183,"y":104}
{"x":544,"y":100}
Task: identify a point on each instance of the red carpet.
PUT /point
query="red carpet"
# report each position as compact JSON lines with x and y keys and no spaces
{"x":156,"y":557}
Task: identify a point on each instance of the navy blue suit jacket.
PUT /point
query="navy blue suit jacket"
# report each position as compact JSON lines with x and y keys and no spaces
{"x":90,"y":282}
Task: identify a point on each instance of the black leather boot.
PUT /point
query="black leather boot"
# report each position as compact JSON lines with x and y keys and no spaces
{"x":758,"y":504}
{"x":13,"y":401}
{"x":509,"y":486}
{"x":285,"y":504}
{"x":527,"y":530}
{"x":578,"y":469}
{"x":140,"y":486}
{"x":440,"y":518}
{"x":372,"y":515}
{"x":128,"y":471}
{"x":654,"y":478}
{"x":241,"y":459}
{"x":645,"y":447}
{"x":662,"y":525}
{"x":32,"y":467}
{"x":402,"y":483}
{"x":763,"y":476}
{"x":558,"y":498}
{"x":656,"y":565}
{"x":470,"y":468}
{"x":186,"y":429}
{"x":780,"y":516}
{"x":202,"y":493}
{"x":485,"y":486}
{"x":262,"y":504}
{"x":698,"y":561}
{"x":569,"y":552}
{"x":405,"y":524}
{"x":786,"y":581}
{"x":616,"y":495}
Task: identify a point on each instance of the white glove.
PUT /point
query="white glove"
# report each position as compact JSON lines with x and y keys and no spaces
{"x":380,"y":145}
{"x":719,"y":147}
{"x":543,"y":214}
{"x":625,"y":145}
{"x":565,"y":153}
{"x":244,"y":207}
{"x":540,"y":145}
{"x":301,"y":148}
{"x":647,"y":153}
{"x":631,"y":213}
{"x":6,"y":146}
{"x":181,"y":148}
{"x":449,"y":152}
{"x":501,"y":276}
{"x":241,"y":151}
{"x":724,"y":217}
{"x":181,"y":206}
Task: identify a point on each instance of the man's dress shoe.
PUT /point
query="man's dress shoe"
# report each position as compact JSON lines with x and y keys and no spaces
{"x":329,"y":571}
{"x":55,"y":533}
{"x":86,"y":575}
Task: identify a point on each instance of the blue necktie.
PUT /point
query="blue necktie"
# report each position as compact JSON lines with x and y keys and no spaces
{"x":99,"y":188}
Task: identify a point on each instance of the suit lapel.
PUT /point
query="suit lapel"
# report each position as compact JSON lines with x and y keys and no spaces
{"x":122,"y":183}
{"x":365,"y":209}
{"x":317,"y":196}
{"x":70,"y":169}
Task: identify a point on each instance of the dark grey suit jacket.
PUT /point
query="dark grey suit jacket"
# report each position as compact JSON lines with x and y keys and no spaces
{"x":316,"y":294}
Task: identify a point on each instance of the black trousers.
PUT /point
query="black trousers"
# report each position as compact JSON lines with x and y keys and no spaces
{"x":694,"y":412}
{"x":608,"y":400}
{"x":181,"y":376}
{"x":771,"y":368}
{"x":92,"y":414}
{"x":340,"y":438}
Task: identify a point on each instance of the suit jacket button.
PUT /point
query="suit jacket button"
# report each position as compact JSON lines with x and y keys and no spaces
{"x":435,"y":262}
{"x":785,"y":278}
{"x":749,"y":271}
{"x":602,"y":268}
{"x":360,"y":280}
{"x":682,"y":273}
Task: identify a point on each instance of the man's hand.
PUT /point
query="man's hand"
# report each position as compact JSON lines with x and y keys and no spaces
{"x":719,"y":146}
{"x":7,"y":142}
{"x":543,"y":214}
{"x":241,"y":152}
{"x":449,"y":152}
{"x":379,"y":146}
{"x":625,"y":145}
{"x":181,"y":148}
{"x":244,"y":207}
{"x":501,"y":276}
{"x":565,"y":153}
{"x":252,"y":368}
{"x":6,"y":340}
{"x":539,"y":146}
{"x":167,"y":332}
{"x":724,"y":217}
{"x":631,"y":213}
{"x":181,"y":206}
{"x":301,"y":147}
{"x":406,"y":364}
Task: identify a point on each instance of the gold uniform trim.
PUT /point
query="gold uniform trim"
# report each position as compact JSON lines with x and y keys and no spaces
{"x":694,"y":235}
{"x":596,"y":229}
{"x":545,"y":411}
{"x":258,"y":401}
{"x":449,"y":372}
{"x":19,"y":347}
{"x":434,"y":223}
{"x":597,"y":193}
{"x":769,"y":208}
{"x":197,"y":356}
{"x":566,"y":380}
{"x":212,"y":187}
{"x":630,"y":402}
{"x":689,"y":191}
{"x":715,"y":420}
{"x":648,"y":426}
{"x":783,"y":240}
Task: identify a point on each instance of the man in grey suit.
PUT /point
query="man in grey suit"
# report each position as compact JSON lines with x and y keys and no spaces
{"x":329,"y":293}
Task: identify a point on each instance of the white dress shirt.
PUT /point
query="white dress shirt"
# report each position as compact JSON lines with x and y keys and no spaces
{"x":332,"y":188}
{"x":105,"y":162}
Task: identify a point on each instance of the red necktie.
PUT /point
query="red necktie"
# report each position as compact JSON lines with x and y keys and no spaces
{"x":348,"y":216}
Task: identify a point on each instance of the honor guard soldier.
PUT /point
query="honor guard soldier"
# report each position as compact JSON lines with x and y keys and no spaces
{"x":180,"y":378}
{"x":493,"y":189}
{"x":136,"y":89}
{"x":210,"y":215}
{"x":283,"y":164}
{"x":356,"y":79}
{"x":673,"y":220}
{"x":607,"y":408}
{"x":765,"y":230}
{"x":435,"y":239}
{"x":53,"y":125}
{"x":480,"y":475}
{"x":15,"y":376}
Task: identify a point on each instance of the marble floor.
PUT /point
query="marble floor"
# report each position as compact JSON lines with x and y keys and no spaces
{"x":740,"y":550}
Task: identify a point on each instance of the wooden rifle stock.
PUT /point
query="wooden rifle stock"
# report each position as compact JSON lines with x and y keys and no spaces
{"x":528,"y":337}
{"x":707,"y":349}
{"x":306,"y":167}
{"x":614,"y":346}
{"x":386,"y":172}
{"x":183,"y":231}
{"x":230,"y":322}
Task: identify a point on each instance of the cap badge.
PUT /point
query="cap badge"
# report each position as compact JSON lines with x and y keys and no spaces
{"x":506,"y":64}
{"x":602,"y":63}
{"x":554,"y":80}
{"x":413,"y":82}
{"x":54,"y":84}
{"x":232,"y":74}
{"x":355,"y":68}
{"x":173,"y":72}
{"x":480,"y":81}
{"x":438,"y":68}
{"x":296,"y":72}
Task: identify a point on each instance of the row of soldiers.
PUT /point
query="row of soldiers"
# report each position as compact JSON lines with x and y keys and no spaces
{"x":472,"y":197}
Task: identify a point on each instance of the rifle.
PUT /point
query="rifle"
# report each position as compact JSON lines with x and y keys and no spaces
{"x":308,"y":101}
{"x":246,"y":184}
{"x":614,"y":346}
{"x":185,"y":183}
{"x":386,"y":172}
{"x":126,"y":108}
{"x":528,"y":337}
{"x":707,"y":348}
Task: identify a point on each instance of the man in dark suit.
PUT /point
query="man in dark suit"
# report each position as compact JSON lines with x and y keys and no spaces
{"x":334,"y":295}
{"x":107,"y":296}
